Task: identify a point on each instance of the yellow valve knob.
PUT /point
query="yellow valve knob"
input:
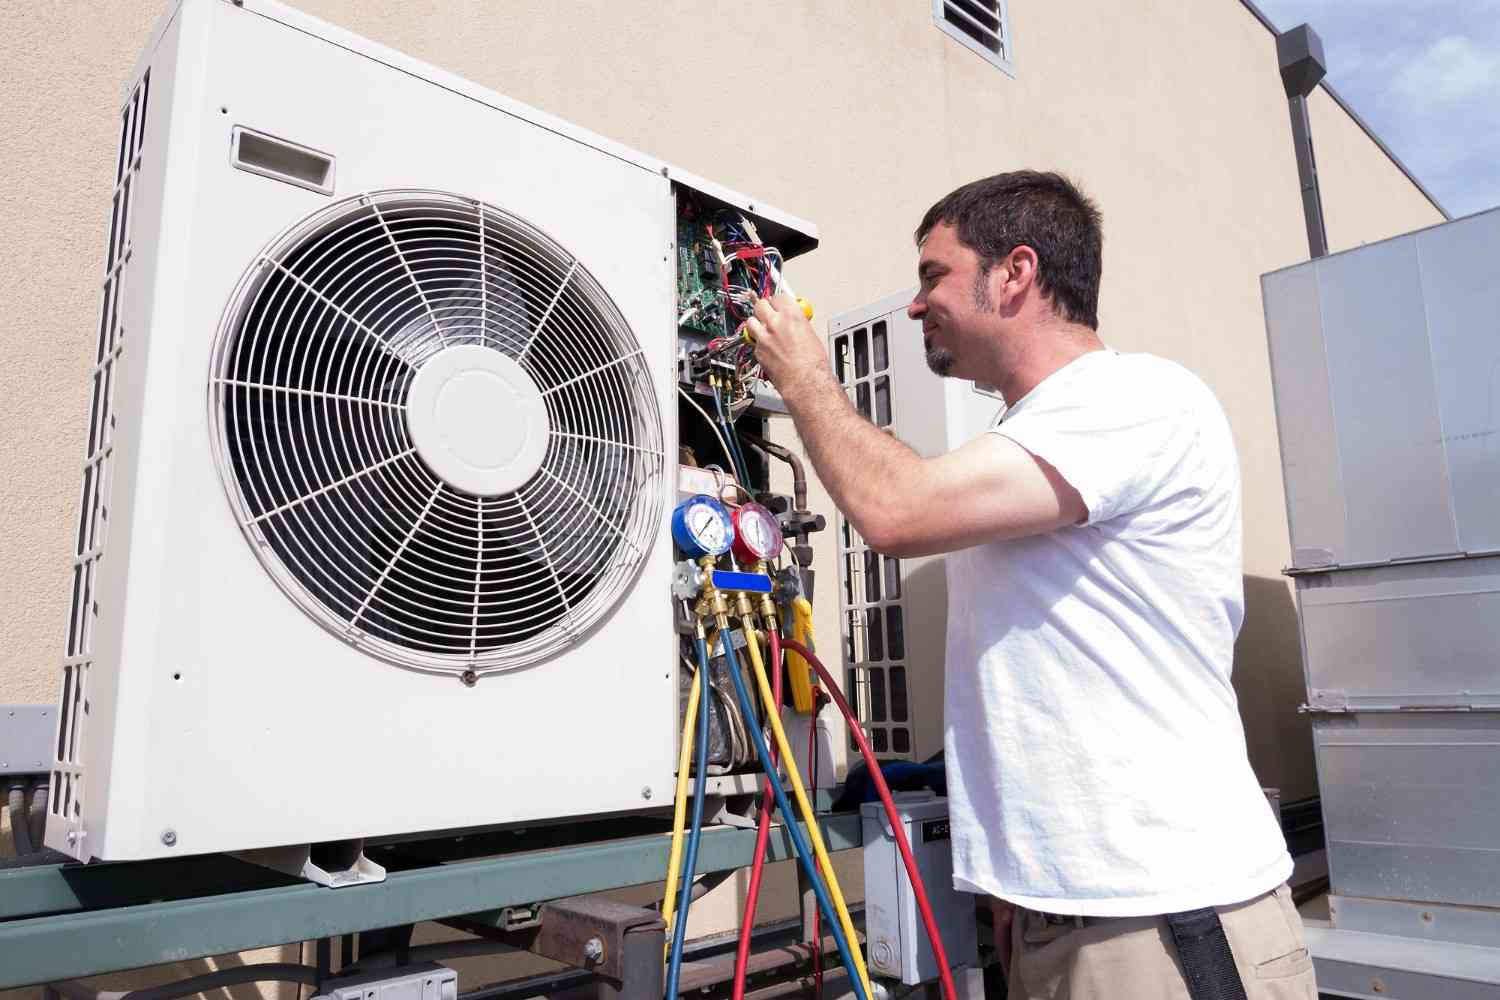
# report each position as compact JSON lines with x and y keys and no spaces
{"x":807,"y":312}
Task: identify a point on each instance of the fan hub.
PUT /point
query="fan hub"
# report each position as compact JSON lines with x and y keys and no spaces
{"x":477,"y":420}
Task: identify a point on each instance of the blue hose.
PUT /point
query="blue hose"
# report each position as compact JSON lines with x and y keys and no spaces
{"x":741,"y":468}
{"x":695,"y":832}
{"x":804,"y":852}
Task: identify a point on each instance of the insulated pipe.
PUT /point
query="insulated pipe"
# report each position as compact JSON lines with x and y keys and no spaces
{"x":799,"y":473}
{"x":20,"y":820}
{"x":39,"y":813}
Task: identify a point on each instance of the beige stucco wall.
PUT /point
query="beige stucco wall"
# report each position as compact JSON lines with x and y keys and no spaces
{"x":1171,"y":115}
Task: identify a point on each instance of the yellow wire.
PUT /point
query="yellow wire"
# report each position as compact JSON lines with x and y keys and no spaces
{"x":773,"y":715}
{"x":679,"y":811}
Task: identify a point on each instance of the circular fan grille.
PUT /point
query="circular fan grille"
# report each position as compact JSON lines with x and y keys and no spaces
{"x":421,"y":516}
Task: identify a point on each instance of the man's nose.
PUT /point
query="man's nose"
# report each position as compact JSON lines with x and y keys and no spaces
{"x":917,"y":307}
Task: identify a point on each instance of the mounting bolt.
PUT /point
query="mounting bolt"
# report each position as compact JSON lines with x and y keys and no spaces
{"x":1377,"y":984}
{"x":593,"y":949}
{"x":1427,"y":916}
{"x":646,"y":792}
{"x":72,"y":836}
{"x":470,"y":678}
{"x":169,"y":837}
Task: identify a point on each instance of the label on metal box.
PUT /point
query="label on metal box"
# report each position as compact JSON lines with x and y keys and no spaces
{"x":936,"y":829}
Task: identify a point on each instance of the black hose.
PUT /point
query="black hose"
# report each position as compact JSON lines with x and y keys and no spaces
{"x":266,"y":972}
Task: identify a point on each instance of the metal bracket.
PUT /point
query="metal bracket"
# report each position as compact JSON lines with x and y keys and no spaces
{"x":338,"y":864}
{"x":622,"y":944}
{"x":728,"y":815}
{"x":26,"y":733}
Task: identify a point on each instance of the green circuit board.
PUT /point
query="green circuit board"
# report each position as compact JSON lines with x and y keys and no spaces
{"x":700,"y":299}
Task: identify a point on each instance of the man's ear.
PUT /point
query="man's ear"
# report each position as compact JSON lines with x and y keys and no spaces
{"x":1021,"y":269}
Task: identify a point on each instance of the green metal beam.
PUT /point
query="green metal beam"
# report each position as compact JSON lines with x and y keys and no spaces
{"x":90,"y":942}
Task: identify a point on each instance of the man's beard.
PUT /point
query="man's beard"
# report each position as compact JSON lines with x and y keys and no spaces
{"x":940,"y":360}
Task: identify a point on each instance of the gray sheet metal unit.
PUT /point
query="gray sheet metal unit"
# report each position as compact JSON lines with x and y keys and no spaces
{"x":1411,"y":805}
{"x":1386,"y":367}
{"x":1413,"y":635}
{"x":1385,"y":362}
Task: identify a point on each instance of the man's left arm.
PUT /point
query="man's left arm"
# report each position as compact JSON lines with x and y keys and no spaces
{"x":901,"y":503}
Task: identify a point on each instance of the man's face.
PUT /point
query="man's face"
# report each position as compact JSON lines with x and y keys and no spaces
{"x":952,"y":298}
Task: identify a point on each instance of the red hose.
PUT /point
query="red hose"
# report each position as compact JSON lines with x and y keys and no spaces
{"x":918,"y":889}
{"x":762,"y":834}
{"x":812,"y":779}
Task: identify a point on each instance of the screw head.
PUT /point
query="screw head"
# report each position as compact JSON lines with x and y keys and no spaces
{"x":470,"y":678}
{"x":593,"y":949}
{"x":646,"y":792}
{"x":169,"y":837}
{"x":72,"y":836}
{"x":1427,"y":916}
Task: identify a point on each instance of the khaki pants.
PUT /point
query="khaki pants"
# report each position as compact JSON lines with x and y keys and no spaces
{"x":1134,"y":958}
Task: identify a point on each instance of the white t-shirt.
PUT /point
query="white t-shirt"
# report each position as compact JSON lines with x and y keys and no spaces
{"x":1096,"y":761}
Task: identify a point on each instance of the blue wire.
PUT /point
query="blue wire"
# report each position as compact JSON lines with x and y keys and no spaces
{"x":700,"y":787}
{"x":804,"y":853}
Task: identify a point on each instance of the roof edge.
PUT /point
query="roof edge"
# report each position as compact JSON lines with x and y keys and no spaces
{"x":1349,"y":110}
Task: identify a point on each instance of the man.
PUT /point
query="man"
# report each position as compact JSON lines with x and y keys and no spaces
{"x":1096,"y":761}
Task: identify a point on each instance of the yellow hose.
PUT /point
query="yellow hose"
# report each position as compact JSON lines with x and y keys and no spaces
{"x":788,"y":759}
{"x":679,"y":809}
{"x":799,"y":671}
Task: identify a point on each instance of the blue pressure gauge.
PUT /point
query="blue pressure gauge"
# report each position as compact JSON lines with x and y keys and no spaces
{"x":701,"y":526}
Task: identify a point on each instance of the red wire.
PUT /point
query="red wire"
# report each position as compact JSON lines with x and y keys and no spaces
{"x":918,"y":889}
{"x":762,"y":834}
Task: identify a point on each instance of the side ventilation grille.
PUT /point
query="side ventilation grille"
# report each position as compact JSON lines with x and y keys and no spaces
{"x":982,"y":26}
{"x":93,"y":508}
{"x":870,"y":584}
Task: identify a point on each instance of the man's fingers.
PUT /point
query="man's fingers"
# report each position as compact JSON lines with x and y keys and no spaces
{"x":764,"y":310}
{"x":755,"y":327}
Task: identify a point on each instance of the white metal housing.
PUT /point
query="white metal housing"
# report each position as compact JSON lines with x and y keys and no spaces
{"x":203,"y":710}
{"x":895,"y":611}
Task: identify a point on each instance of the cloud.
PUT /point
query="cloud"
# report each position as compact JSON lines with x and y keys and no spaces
{"x":1451,"y":69}
{"x":1425,"y":76}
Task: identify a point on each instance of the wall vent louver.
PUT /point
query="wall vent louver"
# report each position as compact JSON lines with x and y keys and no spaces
{"x":94,"y":501}
{"x":983,"y":26}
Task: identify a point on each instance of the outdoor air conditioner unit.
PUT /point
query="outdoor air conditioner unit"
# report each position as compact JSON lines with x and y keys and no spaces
{"x":372,"y":536}
{"x":894,"y":612}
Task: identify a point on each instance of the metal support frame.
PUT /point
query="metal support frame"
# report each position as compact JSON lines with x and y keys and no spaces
{"x":67,"y":921}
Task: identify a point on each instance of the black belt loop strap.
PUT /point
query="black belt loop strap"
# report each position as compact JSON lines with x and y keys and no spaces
{"x":1207,"y":962}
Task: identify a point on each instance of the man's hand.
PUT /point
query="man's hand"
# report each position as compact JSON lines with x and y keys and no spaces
{"x":785,"y":342}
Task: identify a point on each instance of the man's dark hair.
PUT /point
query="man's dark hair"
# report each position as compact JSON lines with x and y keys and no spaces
{"x":1044,"y":211}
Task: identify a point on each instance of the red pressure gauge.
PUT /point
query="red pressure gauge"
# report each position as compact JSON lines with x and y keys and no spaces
{"x":757,"y":536}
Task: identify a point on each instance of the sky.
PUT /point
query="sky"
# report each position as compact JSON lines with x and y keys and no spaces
{"x":1425,"y":76}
